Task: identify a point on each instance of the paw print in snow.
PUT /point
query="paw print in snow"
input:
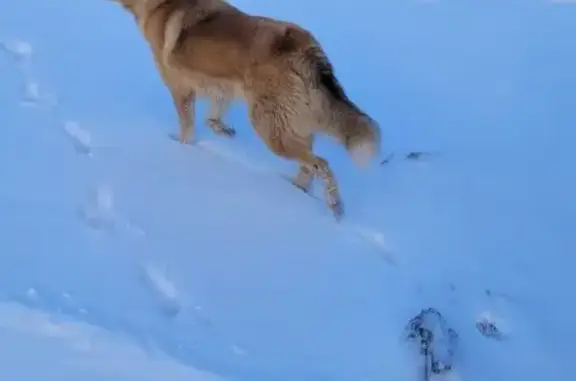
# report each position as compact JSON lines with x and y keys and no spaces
{"x":19,"y":50}
{"x":490,"y":327}
{"x":99,"y":211}
{"x":100,"y":214}
{"x":378,"y":241}
{"x":81,"y":138}
{"x":164,"y":290}
{"x":33,"y":97}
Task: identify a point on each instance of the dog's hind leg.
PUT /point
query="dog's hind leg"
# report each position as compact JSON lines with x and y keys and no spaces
{"x":185,"y":107}
{"x":303,"y":180}
{"x":219,"y":104}
{"x":320,"y":167}
{"x":273,"y":126}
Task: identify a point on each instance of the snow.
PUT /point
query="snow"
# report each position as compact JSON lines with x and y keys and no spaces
{"x":126,"y":256}
{"x":36,"y":346}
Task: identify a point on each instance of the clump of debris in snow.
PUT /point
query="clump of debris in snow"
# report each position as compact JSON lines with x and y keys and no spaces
{"x":436,"y":341}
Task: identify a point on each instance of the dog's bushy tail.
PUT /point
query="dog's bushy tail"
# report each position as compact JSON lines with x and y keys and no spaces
{"x":327,"y":101}
{"x":336,"y":113}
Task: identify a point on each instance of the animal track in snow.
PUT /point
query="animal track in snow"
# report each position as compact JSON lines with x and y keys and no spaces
{"x":163,"y":289}
{"x":33,"y":97}
{"x":491,"y":327}
{"x":376,"y":239}
{"x":100,"y":214}
{"x":21,"y":52}
{"x":172,"y":305}
{"x":81,"y":138}
{"x":99,"y":211}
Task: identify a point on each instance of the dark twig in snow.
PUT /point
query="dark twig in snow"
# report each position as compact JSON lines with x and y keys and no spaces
{"x":387,"y":159}
{"x":416,"y":155}
{"x":413,"y":156}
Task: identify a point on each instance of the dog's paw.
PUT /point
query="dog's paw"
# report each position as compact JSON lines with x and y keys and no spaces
{"x":303,"y":188}
{"x":337,"y":209}
{"x":228,"y":131}
{"x":221,"y":128}
{"x":178,"y":139}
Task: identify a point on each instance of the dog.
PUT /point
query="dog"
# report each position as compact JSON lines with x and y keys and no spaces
{"x":213,"y":49}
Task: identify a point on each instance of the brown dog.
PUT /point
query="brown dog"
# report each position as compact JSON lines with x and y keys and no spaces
{"x":211,"y":48}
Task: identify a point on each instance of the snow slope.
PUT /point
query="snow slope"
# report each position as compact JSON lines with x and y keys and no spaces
{"x":125,"y":256}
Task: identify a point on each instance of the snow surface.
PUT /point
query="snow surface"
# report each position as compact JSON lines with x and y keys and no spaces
{"x":125,"y":256}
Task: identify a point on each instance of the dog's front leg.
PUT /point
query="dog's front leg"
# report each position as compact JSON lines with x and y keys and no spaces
{"x":185,"y":106}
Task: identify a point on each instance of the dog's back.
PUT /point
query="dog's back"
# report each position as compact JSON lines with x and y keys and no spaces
{"x":265,"y":57}
{"x":225,"y":42}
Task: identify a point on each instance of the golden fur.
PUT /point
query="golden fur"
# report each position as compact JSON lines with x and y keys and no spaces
{"x":210,"y":48}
